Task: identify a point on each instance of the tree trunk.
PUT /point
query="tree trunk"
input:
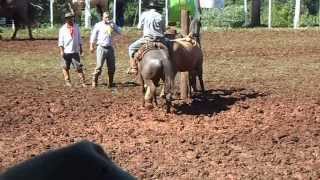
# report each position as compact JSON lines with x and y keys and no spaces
{"x":255,"y":15}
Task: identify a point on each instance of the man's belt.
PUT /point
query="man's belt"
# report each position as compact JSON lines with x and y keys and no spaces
{"x":106,"y":47}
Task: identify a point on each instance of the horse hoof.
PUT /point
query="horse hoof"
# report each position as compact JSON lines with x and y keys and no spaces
{"x":162,"y":96}
{"x":148,"y":106}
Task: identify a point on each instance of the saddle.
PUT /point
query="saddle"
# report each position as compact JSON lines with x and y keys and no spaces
{"x":150,"y":45}
{"x":189,"y":39}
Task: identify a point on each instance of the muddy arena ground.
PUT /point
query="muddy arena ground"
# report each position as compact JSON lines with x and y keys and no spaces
{"x":260,"y":118}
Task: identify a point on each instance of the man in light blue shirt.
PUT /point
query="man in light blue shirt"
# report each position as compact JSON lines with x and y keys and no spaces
{"x":153,"y":26}
{"x":101,"y":35}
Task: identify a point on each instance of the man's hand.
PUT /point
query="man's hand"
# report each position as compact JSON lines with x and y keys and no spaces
{"x":112,"y":25}
{"x":91,"y":48}
{"x":61,"y":52}
{"x":81,"y":51}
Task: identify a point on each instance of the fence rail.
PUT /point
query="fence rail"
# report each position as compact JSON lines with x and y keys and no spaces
{"x":4,"y":22}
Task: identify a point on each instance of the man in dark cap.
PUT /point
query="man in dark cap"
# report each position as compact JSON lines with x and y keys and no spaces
{"x":153,"y":25}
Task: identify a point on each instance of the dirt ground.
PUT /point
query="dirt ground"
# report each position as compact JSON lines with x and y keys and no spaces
{"x":241,"y":130}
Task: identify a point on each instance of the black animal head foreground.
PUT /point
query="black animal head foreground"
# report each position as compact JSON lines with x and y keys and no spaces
{"x":81,"y":161}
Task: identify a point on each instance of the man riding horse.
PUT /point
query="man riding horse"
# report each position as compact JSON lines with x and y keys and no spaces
{"x":153,"y":26}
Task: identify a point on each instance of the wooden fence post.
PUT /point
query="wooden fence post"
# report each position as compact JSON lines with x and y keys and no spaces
{"x":184,"y":76}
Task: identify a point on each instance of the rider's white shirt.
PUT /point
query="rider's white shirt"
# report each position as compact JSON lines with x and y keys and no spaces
{"x":152,"y":23}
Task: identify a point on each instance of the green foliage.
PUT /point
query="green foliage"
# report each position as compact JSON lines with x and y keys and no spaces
{"x":131,"y":13}
{"x":230,"y":16}
{"x":282,"y":14}
{"x":312,"y":6}
{"x":308,"y":20}
{"x":42,"y":16}
{"x":95,"y":17}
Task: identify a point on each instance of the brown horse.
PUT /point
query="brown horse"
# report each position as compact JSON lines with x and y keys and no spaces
{"x":76,"y":6}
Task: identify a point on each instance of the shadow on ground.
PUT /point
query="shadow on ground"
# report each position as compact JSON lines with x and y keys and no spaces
{"x":215,"y":101}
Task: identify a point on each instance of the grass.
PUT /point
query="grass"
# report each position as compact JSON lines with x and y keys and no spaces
{"x":280,"y":62}
{"x":46,"y":33}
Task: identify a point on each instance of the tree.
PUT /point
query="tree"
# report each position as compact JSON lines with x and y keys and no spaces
{"x":255,"y":13}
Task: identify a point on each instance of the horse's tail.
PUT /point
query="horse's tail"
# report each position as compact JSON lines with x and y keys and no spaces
{"x":37,"y":6}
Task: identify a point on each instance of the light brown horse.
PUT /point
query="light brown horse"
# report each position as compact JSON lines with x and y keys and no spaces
{"x":187,"y":56}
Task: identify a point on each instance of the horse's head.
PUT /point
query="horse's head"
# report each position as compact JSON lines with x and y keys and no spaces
{"x":195,"y":26}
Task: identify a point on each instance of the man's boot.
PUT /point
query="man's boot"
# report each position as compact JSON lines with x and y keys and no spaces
{"x":82,"y":79}
{"x":133,"y":67}
{"x":110,"y":85}
{"x":95,"y":80}
{"x":66,"y":76}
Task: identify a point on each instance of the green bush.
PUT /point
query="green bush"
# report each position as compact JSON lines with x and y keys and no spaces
{"x":282,"y":14}
{"x":230,"y":16}
{"x":130,"y":15}
{"x":307,"y":20}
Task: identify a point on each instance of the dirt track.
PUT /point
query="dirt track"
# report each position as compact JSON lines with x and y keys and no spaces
{"x":238,"y":132}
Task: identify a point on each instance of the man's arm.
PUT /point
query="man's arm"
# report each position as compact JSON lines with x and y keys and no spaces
{"x":93,"y":37}
{"x":141,"y":20}
{"x":80,"y":41}
{"x":116,"y":28}
{"x":60,"y":43}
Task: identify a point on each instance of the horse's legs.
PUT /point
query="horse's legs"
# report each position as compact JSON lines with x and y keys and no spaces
{"x":168,"y":90}
{"x":199,"y":74}
{"x":201,"y":83}
{"x":30,"y":32}
{"x":154,"y":93}
{"x":16,"y":28}
{"x":142,"y":89}
{"x":149,"y":95}
{"x":193,"y":80}
{"x":100,"y":10}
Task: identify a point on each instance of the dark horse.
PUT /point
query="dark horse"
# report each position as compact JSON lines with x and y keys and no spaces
{"x":155,"y":65}
{"x":21,"y":11}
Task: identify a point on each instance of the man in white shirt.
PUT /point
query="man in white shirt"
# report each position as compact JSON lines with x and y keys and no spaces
{"x":101,"y":35}
{"x":153,"y":26}
{"x":70,"y":45}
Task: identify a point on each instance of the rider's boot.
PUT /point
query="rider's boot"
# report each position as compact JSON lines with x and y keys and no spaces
{"x":133,"y":67}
